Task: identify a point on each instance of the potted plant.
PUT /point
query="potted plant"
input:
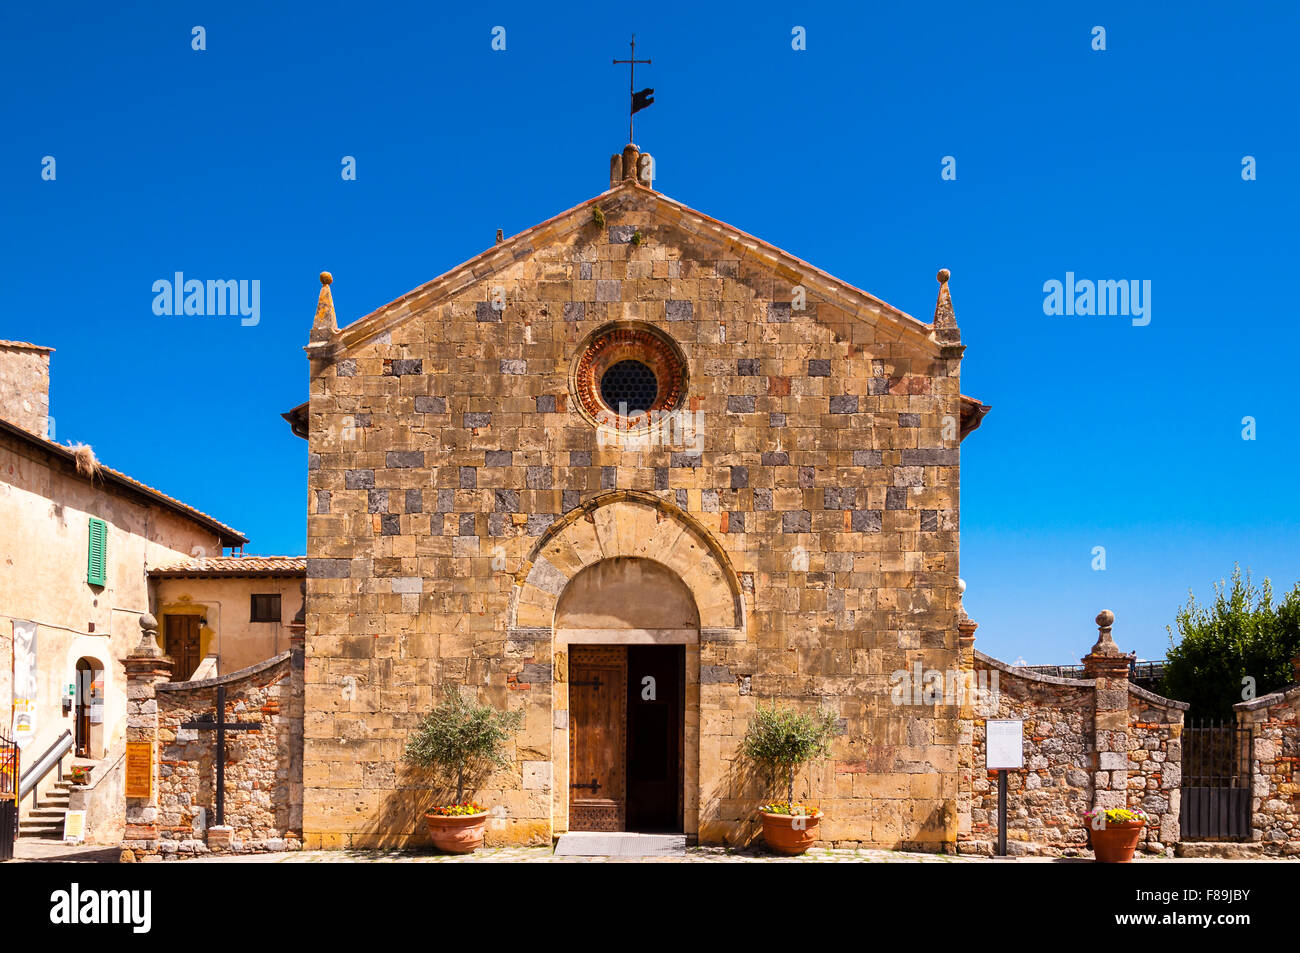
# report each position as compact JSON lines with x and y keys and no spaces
{"x":782,"y":740}
{"x":459,"y":740}
{"x":80,"y":775}
{"x":1114,"y":833}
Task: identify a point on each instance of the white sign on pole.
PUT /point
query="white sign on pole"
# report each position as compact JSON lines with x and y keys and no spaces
{"x":25,"y":672}
{"x":1004,"y":744}
{"x":74,"y":827}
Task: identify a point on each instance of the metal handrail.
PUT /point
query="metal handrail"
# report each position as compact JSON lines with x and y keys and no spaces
{"x":53,"y":756}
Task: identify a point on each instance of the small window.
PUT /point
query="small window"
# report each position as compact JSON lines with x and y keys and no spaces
{"x":265,"y":608}
{"x":629,"y":387}
{"x":97,"y":553}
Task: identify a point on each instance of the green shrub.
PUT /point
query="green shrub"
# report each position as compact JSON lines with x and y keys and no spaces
{"x":460,"y":737}
{"x":1241,"y":635}
{"x":783,"y":739}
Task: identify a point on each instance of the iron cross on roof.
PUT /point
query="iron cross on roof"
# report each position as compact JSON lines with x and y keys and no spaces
{"x":640,"y":99}
{"x":220,"y":726}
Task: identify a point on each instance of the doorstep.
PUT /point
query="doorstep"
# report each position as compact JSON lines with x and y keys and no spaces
{"x":620,"y":844}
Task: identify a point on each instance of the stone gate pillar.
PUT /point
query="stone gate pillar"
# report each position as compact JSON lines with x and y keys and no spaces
{"x":296,"y":711}
{"x":1110,"y":668}
{"x":966,"y":766}
{"x":145,"y":668}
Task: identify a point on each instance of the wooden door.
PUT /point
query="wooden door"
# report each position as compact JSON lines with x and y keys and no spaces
{"x":182,"y":642}
{"x":656,"y":676}
{"x":597,"y":738}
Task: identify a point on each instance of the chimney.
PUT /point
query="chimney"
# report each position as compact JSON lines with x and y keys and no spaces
{"x":25,"y":386}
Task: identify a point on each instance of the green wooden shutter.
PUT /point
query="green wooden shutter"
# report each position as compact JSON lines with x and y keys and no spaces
{"x":97,"y":561}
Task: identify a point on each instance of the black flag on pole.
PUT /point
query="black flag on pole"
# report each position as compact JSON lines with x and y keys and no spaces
{"x":642,"y":99}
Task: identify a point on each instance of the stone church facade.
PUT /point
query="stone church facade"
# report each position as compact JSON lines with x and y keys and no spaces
{"x":631,"y":440}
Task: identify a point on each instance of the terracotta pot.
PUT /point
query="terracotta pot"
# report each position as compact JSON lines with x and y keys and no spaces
{"x":461,"y":834}
{"x":1115,"y":843}
{"x":790,"y":835}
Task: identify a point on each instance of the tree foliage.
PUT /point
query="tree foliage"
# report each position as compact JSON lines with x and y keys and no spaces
{"x":1238,"y":647}
{"x":782,"y":739}
{"x":460,"y":736}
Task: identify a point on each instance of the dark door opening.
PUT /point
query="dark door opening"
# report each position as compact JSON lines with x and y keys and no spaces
{"x":85,"y":679}
{"x":656,"y":710}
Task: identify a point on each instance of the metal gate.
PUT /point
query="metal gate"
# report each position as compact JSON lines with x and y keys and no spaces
{"x":1218,"y":772}
{"x":8,"y":797}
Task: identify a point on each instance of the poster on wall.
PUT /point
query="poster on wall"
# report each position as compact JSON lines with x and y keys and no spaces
{"x":97,"y":702}
{"x":24,"y":722}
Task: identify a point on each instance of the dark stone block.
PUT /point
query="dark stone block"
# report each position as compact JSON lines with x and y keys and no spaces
{"x":404,"y":458}
{"x":390,"y":524}
{"x":546,"y":403}
{"x":446,"y":501}
{"x":868,"y":458}
{"x":377,"y":501}
{"x":878,"y":386}
{"x":577,"y":310}
{"x":414,"y":501}
{"x":466,"y":526}
{"x":473,"y":421}
{"x":778,"y":312}
{"x":496,"y":524}
{"x":683,"y":499}
{"x":844,"y":404}
{"x":359,"y":479}
{"x":498,"y":458}
{"x":621,"y":234}
{"x":313,"y":461}
{"x":579,"y":458}
{"x":909,"y":420}
{"x":431,"y":405}
{"x":740,"y":404}
{"x":507,"y":501}
{"x":762,"y":500}
{"x":661,"y":478}
{"x":807,"y":477}
{"x":747,"y":367}
{"x":739,"y":478}
{"x":776,"y":420}
{"x":608,"y":477}
{"x":468,"y":478}
{"x":538,"y":478}
{"x":329,"y":568}
{"x":322,"y":501}
{"x":716,"y":675}
{"x":736,"y":521}
{"x":483,"y":311}
{"x":680,"y":310}
{"x":569,"y":500}
{"x":684,"y":459}
{"x":929,"y":521}
{"x":796,"y":521}
{"x":535,"y":674}
{"x":775,"y":458}
{"x":896,"y":498}
{"x":819,"y":367}
{"x":867,"y":521}
{"x":398,"y":367}
{"x":346,"y":368}
{"x":539,"y":523}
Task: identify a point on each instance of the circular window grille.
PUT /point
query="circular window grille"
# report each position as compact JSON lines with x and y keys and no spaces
{"x":631,"y":385}
{"x":628,"y":373}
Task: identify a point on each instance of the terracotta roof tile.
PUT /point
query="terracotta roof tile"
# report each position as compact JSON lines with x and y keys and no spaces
{"x":25,"y":346}
{"x":234,"y":566}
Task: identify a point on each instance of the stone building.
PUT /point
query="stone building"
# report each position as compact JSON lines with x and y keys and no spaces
{"x":631,"y":443}
{"x":83,"y":548}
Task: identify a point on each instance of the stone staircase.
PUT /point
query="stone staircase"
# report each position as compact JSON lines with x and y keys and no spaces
{"x":46,"y":819}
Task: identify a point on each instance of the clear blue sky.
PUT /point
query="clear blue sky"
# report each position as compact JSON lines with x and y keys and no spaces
{"x":1117,"y":164}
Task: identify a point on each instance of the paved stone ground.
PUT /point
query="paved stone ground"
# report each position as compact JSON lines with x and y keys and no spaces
{"x":52,"y":851}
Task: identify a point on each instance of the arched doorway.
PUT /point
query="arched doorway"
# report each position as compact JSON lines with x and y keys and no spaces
{"x":627,"y":626}
{"x":88,"y":709}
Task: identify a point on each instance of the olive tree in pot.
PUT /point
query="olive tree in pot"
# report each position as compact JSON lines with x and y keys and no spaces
{"x":783,"y":740}
{"x":461,"y":741}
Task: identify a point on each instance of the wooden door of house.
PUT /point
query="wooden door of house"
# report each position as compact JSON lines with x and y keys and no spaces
{"x":597,"y":738}
{"x":181,"y":639}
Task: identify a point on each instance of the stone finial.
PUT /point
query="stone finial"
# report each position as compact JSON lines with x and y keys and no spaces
{"x":945,"y":321}
{"x":148,"y":645}
{"x":631,"y":157}
{"x":1105,"y":645}
{"x":325,"y":323}
{"x":501,"y":235}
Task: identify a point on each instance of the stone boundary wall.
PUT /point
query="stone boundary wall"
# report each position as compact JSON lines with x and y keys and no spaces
{"x":1045,"y":801}
{"x":263,"y":772}
{"x":1275,"y":800}
{"x":1089,"y":743}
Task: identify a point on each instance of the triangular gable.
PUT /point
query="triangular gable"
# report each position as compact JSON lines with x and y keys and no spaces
{"x":852,"y":300}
